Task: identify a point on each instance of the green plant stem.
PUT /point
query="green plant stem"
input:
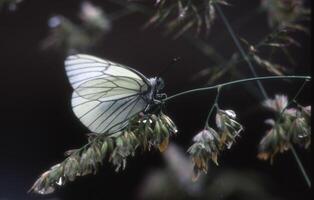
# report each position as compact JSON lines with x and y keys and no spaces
{"x":297,"y":159}
{"x":236,"y":41}
{"x":234,"y":83}
{"x":242,"y":52}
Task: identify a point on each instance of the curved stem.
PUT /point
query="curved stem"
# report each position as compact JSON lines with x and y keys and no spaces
{"x":215,"y":105}
{"x":293,"y":100}
{"x":299,"y":91}
{"x":295,"y":154}
{"x":234,"y":83}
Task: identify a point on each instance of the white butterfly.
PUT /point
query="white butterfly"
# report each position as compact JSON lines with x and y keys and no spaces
{"x":107,"y":94}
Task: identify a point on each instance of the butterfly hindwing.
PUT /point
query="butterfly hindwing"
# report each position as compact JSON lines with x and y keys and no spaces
{"x":100,"y":116}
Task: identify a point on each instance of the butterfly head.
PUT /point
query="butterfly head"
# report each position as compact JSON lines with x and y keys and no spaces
{"x":157,"y":83}
{"x":160,"y":84}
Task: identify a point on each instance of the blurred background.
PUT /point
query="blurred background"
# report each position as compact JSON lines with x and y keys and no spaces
{"x":38,"y":125}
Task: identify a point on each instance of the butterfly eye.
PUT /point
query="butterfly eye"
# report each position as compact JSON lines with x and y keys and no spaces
{"x":160,"y":83}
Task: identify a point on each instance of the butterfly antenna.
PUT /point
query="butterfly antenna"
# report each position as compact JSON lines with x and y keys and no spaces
{"x":169,"y":66}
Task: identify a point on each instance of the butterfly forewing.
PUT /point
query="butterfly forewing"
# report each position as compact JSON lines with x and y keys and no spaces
{"x":80,"y":68}
{"x":105,"y":94}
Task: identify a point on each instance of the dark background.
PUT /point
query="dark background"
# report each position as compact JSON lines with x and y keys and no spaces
{"x":37,"y":124}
